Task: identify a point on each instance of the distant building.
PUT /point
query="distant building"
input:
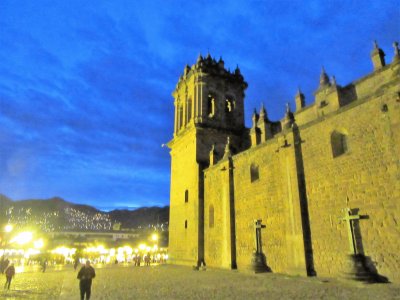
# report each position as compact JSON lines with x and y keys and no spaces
{"x":301,"y":175}
{"x":95,"y":235}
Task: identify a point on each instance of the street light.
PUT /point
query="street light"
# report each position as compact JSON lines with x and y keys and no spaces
{"x":8,"y":228}
{"x":22,"y":238}
{"x":38,"y":244}
{"x":154,"y":237}
{"x":3,"y":240}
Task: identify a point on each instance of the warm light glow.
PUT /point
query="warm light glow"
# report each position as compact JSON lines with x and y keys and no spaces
{"x":142,"y":246}
{"x":64,"y":251}
{"x":128,"y":250}
{"x":22,"y":238}
{"x":38,"y":243}
{"x":8,"y":228}
{"x":30,"y":252}
{"x":154,"y":237}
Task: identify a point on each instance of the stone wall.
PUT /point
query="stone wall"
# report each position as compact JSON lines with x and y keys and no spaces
{"x":183,"y":242}
{"x":367,"y":175}
{"x":342,"y":152}
{"x":303,"y":188}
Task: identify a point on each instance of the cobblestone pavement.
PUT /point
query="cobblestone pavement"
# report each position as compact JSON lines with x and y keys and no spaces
{"x":177,"y":282}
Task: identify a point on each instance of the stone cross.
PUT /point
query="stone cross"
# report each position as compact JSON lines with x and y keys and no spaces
{"x":258,"y":226}
{"x":349,"y":218}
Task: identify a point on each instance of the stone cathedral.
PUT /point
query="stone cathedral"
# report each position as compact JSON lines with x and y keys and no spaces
{"x":304,"y":192}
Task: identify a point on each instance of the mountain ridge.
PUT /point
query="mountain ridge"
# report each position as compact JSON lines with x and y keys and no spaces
{"x":58,"y":214}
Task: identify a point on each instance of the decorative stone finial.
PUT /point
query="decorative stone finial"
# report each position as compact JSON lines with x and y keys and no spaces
{"x":299,"y":98}
{"x":396,"y":51}
{"x":237,"y":70}
{"x":287,"y":108}
{"x":255,"y":118}
{"x":221,"y":63}
{"x":333,"y":80}
{"x":323,"y":79}
{"x":228,"y":152}
{"x":263,"y":112}
{"x":289,"y":118}
{"x":262,"y":109}
{"x":212,"y":155}
{"x":186,"y":70}
{"x":200,"y":58}
{"x":378,"y":57}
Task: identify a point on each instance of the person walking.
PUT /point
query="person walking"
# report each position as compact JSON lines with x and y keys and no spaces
{"x":76,"y":263}
{"x":85,"y":275}
{"x":44,"y":265}
{"x":10,"y":272}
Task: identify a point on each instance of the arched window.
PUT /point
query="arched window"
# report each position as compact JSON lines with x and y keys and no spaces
{"x":254,"y":175}
{"x":186,"y":196}
{"x":186,"y":224}
{"x":211,"y":216}
{"x":338,"y":143}
{"x":229,"y":104}
{"x":210,"y":105}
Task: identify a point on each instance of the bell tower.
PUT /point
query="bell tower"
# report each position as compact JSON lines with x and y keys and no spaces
{"x":209,"y":108}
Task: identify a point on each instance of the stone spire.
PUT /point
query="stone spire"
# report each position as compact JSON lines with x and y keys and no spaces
{"x":186,"y":70}
{"x":199,"y":59}
{"x":263,"y":113}
{"x":221,"y":63}
{"x":396,"y":51}
{"x":289,"y":118}
{"x":299,"y":99}
{"x":228,"y":153}
{"x":213,"y":155}
{"x":237,"y":70}
{"x":323,"y":79}
{"x":255,"y":118}
{"x":378,"y":57}
{"x":333,"y":80}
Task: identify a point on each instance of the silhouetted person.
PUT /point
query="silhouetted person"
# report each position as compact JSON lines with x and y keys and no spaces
{"x":138,"y":259}
{"x":85,"y":275}
{"x":10,"y":272}
{"x":76,"y":263}
{"x":147,"y":259}
{"x":4,"y":264}
{"x":44,"y":265}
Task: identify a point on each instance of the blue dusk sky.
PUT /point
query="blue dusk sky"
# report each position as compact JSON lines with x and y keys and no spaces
{"x":85,"y":86}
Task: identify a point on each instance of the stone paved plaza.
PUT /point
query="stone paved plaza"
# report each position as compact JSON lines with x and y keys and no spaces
{"x":177,"y":282}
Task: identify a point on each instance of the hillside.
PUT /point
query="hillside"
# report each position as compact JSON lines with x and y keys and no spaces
{"x":56,"y":214}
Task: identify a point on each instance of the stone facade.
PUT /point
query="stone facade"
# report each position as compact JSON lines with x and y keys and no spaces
{"x":298,"y":175}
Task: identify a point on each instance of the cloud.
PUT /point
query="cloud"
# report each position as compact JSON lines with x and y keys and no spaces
{"x":85,"y":102}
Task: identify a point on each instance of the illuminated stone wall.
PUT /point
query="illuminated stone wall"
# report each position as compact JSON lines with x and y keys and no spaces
{"x":341,"y":151}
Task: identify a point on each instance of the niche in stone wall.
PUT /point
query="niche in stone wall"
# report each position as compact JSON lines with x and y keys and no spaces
{"x":254,"y":173}
{"x":189,"y":110}
{"x":339,"y":142}
{"x":211,"y":216}
{"x":186,"y":196}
